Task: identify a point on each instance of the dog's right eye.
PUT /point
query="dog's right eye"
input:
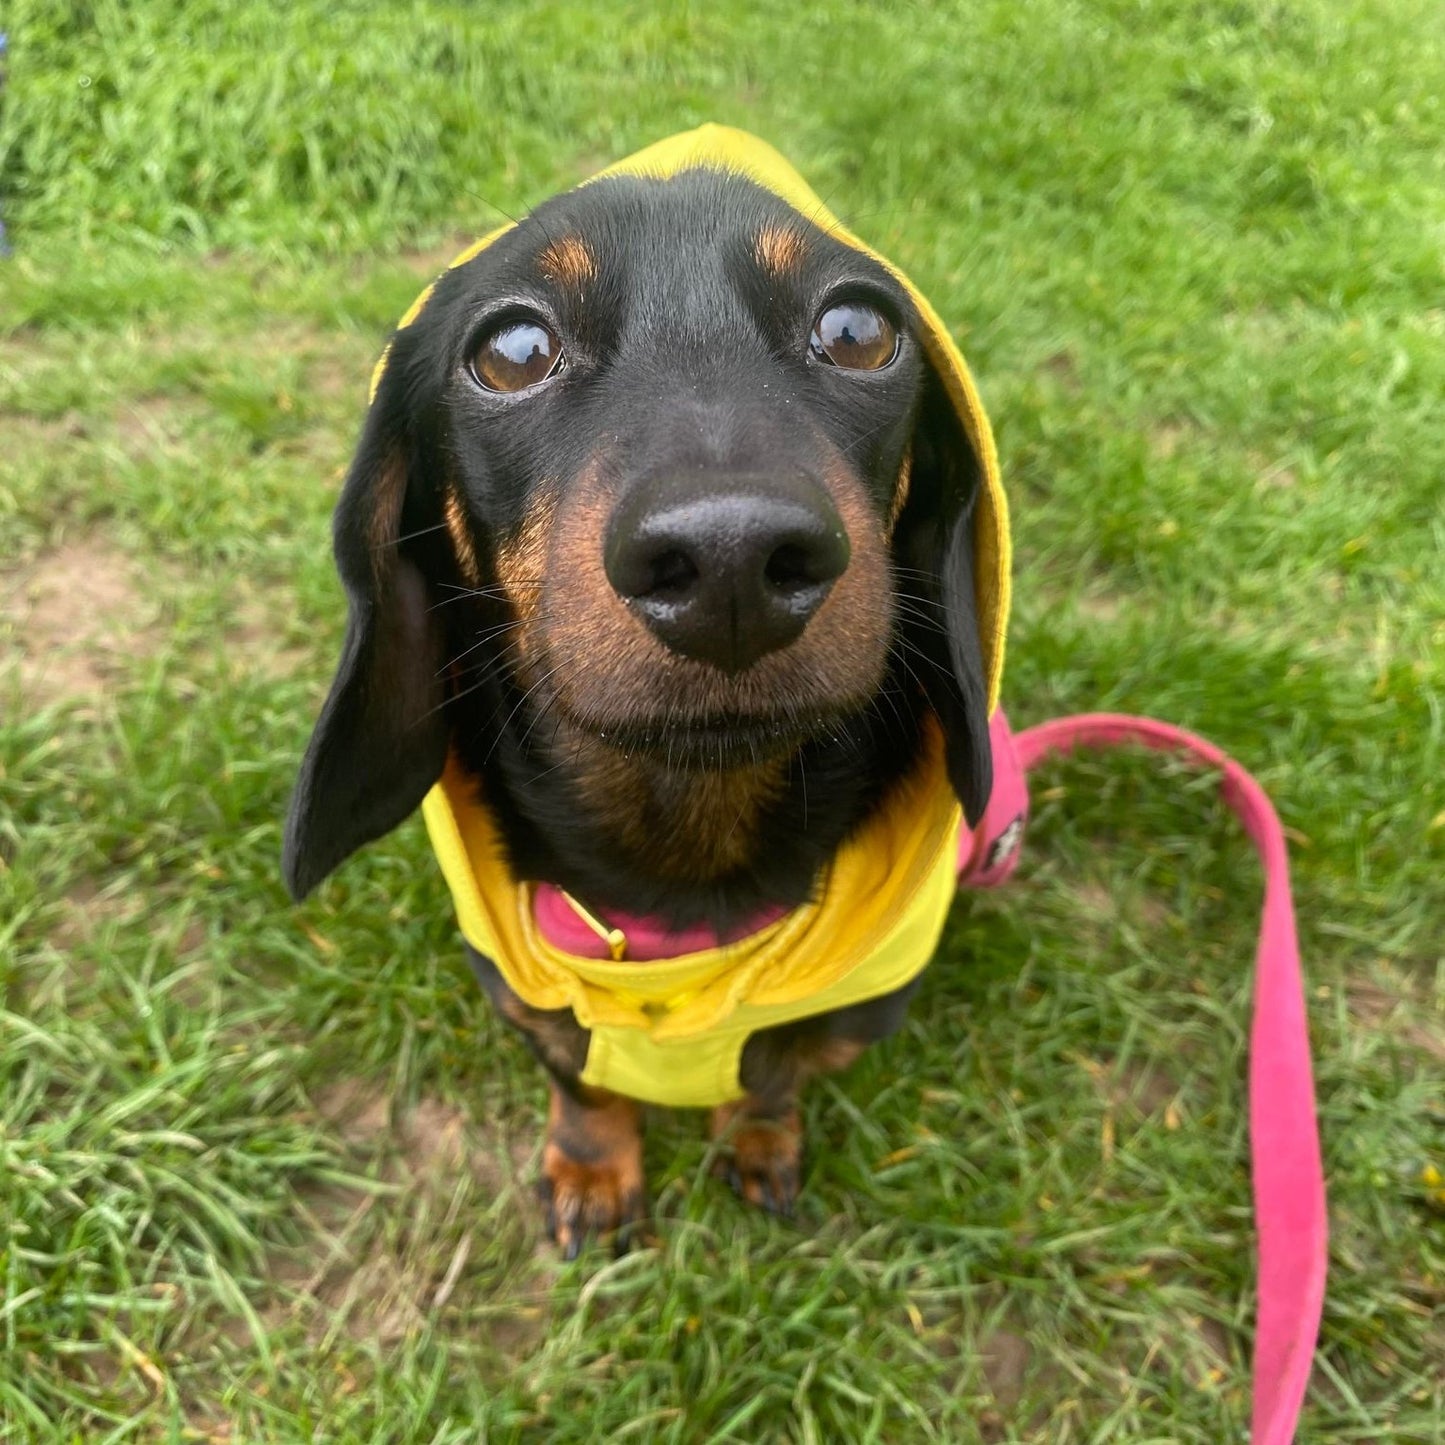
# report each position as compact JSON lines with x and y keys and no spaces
{"x":855,"y":337}
{"x":517,"y":355}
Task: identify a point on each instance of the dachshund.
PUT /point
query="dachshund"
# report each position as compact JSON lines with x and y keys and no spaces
{"x":660,"y":533}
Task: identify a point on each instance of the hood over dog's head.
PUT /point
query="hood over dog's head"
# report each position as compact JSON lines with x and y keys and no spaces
{"x":698,"y":455}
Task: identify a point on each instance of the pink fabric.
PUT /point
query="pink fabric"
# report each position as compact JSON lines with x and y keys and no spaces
{"x":648,"y":938}
{"x":1288,"y":1177}
{"x":988,"y":855}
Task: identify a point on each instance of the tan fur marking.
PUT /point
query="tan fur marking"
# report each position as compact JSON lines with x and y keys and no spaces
{"x":849,"y":636}
{"x":569,"y":262}
{"x":461,"y":535}
{"x":522,"y":569}
{"x":779,"y":249}
{"x":900,"y":490}
{"x":586,"y":613}
{"x":687,"y":826}
{"x":522,"y":559}
{"x":384,"y":526}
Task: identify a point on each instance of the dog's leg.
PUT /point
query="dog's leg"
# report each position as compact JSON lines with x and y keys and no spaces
{"x":763,"y":1143}
{"x":592,"y":1180}
{"x":764,"y":1129}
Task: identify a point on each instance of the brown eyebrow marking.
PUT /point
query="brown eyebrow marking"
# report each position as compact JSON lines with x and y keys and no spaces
{"x":569,"y":262}
{"x":461,"y":536}
{"x":779,"y":249}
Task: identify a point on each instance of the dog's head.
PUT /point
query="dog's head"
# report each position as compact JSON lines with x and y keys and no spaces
{"x":691,"y":458}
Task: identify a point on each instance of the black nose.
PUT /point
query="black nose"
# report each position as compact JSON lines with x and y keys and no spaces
{"x":726,"y":573}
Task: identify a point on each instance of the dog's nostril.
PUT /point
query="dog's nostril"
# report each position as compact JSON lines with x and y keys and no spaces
{"x":672,"y":571}
{"x":790,"y":568}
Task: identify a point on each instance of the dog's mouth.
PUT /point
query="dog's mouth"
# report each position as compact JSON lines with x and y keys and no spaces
{"x":712,"y":744}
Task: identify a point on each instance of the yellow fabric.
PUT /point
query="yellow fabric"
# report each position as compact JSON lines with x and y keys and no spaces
{"x":672,"y":1031}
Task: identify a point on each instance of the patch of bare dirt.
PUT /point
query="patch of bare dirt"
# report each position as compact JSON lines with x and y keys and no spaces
{"x":26,"y":433}
{"x":1133,"y":905}
{"x":1005,"y":1360}
{"x":1151,"y":1090}
{"x":86,"y":910}
{"x":72,"y":618}
{"x":357,"y":1111}
{"x":1167,"y":437}
{"x":1143,"y":1089}
{"x":1063,"y":366}
{"x":378,"y":1266}
{"x":75,"y":616}
{"x":342,"y":379}
{"x":1273,"y":475}
{"x":1195,"y":1346}
{"x":430,"y":1138}
{"x":1096,"y":898}
{"x":90,"y":911}
{"x":149,"y":422}
{"x":255,"y":638}
{"x":1099,"y":606}
{"x":1260,"y":327}
{"x":1393,"y":1007}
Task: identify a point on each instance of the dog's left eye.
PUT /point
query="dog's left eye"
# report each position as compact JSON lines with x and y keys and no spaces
{"x":855,"y":337}
{"x":517,"y":355}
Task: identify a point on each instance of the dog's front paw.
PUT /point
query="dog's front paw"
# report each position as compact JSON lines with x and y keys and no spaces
{"x":592,"y":1182}
{"x":764,"y":1157}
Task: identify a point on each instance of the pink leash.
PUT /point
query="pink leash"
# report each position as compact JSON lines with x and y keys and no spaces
{"x":1288,"y":1180}
{"x":1289,"y":1187}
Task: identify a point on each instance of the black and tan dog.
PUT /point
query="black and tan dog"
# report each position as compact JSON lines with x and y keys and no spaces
{"x":677,"y":569}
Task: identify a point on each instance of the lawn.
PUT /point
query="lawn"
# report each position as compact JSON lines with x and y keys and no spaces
{"x":265,"y":1171}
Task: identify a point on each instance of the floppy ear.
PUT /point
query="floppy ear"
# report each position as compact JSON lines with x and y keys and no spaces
{"x":381,"y":739}
{"x":935,"y":539}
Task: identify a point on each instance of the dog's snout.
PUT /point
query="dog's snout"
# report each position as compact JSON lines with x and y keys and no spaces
{"x":726,"y":573}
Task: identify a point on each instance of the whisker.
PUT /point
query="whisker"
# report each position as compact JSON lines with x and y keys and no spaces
{"x":397,"y":541}
{"x":922,"y":656}
{"x":867,"y":436}
{"x":495,"y":592}
{"x":488,"y":670}
{"x":481,"y":641}
{"x":924,"y":612}
{"x":803,"y":783}
{"x":546,"y":708}
{"x":501,"y":731}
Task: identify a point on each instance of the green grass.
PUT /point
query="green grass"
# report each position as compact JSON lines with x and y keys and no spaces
{"x":264,"y":1171}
